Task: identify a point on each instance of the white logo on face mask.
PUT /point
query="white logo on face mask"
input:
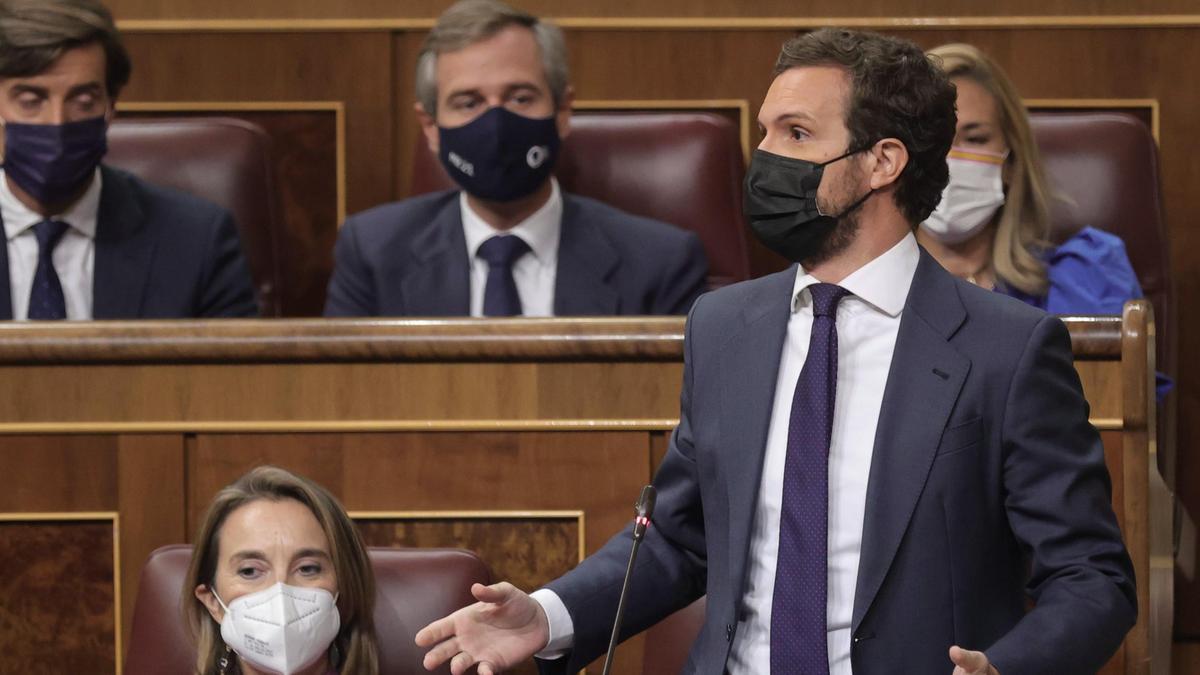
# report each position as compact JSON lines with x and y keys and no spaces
{"x":971,"y":199}
{"x":462,"y":164}
{"x":536,"y":156}
{"x":282,"y":629}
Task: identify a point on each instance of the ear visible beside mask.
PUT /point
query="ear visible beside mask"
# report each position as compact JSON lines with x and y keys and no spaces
{"x":282,"y":629}
{"x":971,"y":199}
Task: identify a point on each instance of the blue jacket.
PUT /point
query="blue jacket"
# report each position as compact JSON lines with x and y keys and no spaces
{"x":160,"y":254}
{"x":987,"y":483}
{"x":409,"y":258}
{"x":1090,"y":273}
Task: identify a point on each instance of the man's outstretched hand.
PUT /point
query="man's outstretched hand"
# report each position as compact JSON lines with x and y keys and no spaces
{"x":503,"y":629}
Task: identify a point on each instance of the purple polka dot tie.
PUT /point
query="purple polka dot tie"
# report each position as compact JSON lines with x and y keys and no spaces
{"x":500,"y":296}
{"x":46,"y":299}
{"x":798,"y":623}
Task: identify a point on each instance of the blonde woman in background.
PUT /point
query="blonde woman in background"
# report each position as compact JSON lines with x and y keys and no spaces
{"x":993,"y":224}
{"x":280,"y":583}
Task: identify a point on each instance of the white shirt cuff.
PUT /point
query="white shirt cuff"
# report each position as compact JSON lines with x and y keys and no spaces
{"x":562,"y":628}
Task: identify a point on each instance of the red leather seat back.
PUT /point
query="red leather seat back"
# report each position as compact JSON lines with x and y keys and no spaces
{"x":224,"y":160}
{"x":682,"y":168}
{"x":1106,"y":165}
{"x":413,"y":588}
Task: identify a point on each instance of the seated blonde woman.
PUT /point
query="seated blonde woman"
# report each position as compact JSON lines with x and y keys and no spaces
{"x":280,"y":582}
{"x":993,"y":224}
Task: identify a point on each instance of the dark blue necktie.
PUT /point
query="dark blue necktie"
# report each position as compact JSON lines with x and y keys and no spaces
{"x":798,"y":621}
{"x":46,"y":297}
{"x":500,"y":296}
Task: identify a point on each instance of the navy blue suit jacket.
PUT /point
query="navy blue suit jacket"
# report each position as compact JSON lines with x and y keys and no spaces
{"x":987,"y":483}
{"x":409,"y":258}
{"x":160,"y":254}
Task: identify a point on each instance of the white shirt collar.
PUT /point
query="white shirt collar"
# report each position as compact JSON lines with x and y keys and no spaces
{"x":81,"y":216}
{"x":882,"y":283}
{"x":540,"y":230}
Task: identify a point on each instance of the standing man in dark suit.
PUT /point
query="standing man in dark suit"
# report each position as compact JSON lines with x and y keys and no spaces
{"x":85,"y":241}
{"x":494,"y":102}
{"x":876,"y":463}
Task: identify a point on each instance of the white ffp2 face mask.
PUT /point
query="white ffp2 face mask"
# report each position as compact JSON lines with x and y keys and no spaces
{"x":282,"y":629}
{"x":975,"y":192}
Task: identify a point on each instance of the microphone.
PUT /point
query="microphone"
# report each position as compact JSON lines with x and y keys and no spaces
{"x":645,"y":508}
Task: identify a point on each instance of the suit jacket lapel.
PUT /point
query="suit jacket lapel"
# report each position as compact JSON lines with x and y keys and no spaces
{"x":749,"y":372}
{"x":586,"y":261}
{"x":438,"y":280}
{"x":923,"y":384}
{"x":6,"y":311}
{"x":124,"y":249}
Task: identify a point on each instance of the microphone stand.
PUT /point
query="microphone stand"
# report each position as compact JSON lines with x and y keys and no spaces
{"x":645,"y":507}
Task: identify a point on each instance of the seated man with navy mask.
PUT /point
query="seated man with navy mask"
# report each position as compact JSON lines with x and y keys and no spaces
{"x":85,"y":241}
{"x":494,"y":103}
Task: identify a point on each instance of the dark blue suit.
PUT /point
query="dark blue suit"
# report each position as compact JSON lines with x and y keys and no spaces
{"x":160,"y":254}
{"x":987,"y":482}
{"x":409,"y":258}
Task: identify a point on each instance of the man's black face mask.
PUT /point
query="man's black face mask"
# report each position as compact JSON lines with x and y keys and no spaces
{"x":781,"y":204}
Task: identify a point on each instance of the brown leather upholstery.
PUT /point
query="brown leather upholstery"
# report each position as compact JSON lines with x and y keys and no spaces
{"x":1106,"y":165}
{"x":222,"y":159}
{"x":413,"y":587}
{"x":681,"y":168}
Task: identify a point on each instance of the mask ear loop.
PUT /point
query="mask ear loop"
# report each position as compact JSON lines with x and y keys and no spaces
{"x":213,"y":590}
{"x":862,"y":199}
{"x":227,"y":657}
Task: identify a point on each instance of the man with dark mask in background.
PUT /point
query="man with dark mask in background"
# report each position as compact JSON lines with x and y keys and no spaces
{"x":86,"y":241}
{"x":494,"y":103}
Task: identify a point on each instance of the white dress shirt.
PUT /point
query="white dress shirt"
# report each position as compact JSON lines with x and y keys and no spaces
{"x":534,"y":273}
{"x":868,"y":322}
{"x":74,"y":256}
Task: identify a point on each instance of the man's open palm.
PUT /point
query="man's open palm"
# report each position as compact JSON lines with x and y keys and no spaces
{"x":503,"y":629}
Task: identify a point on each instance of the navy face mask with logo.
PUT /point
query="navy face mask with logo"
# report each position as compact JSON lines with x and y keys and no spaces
{"x":53,"y":162}
{"x":500,"y":156}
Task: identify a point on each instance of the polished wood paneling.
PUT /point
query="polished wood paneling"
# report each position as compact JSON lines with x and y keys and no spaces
{"x":424,"y":9}
{"x":58,"y":597}
{"x":528,"y":551}
{"x":1186,"y":659}
{"x":525,"y":471}
{"x":354,"y":68}
{"x":57,"y":473}
{"x":472,"y":393}
{"x":150,"y":498}
{"x":1114,"y":459}
{"x":349,"y":340}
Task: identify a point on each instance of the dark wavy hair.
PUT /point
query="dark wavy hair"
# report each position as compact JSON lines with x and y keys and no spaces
{"x":35,"y":33}
{"x":896,"y":91}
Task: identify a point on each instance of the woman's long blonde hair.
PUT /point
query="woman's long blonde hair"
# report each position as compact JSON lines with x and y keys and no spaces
{"x":1023,"y":227}
{"x":355,"y":642}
